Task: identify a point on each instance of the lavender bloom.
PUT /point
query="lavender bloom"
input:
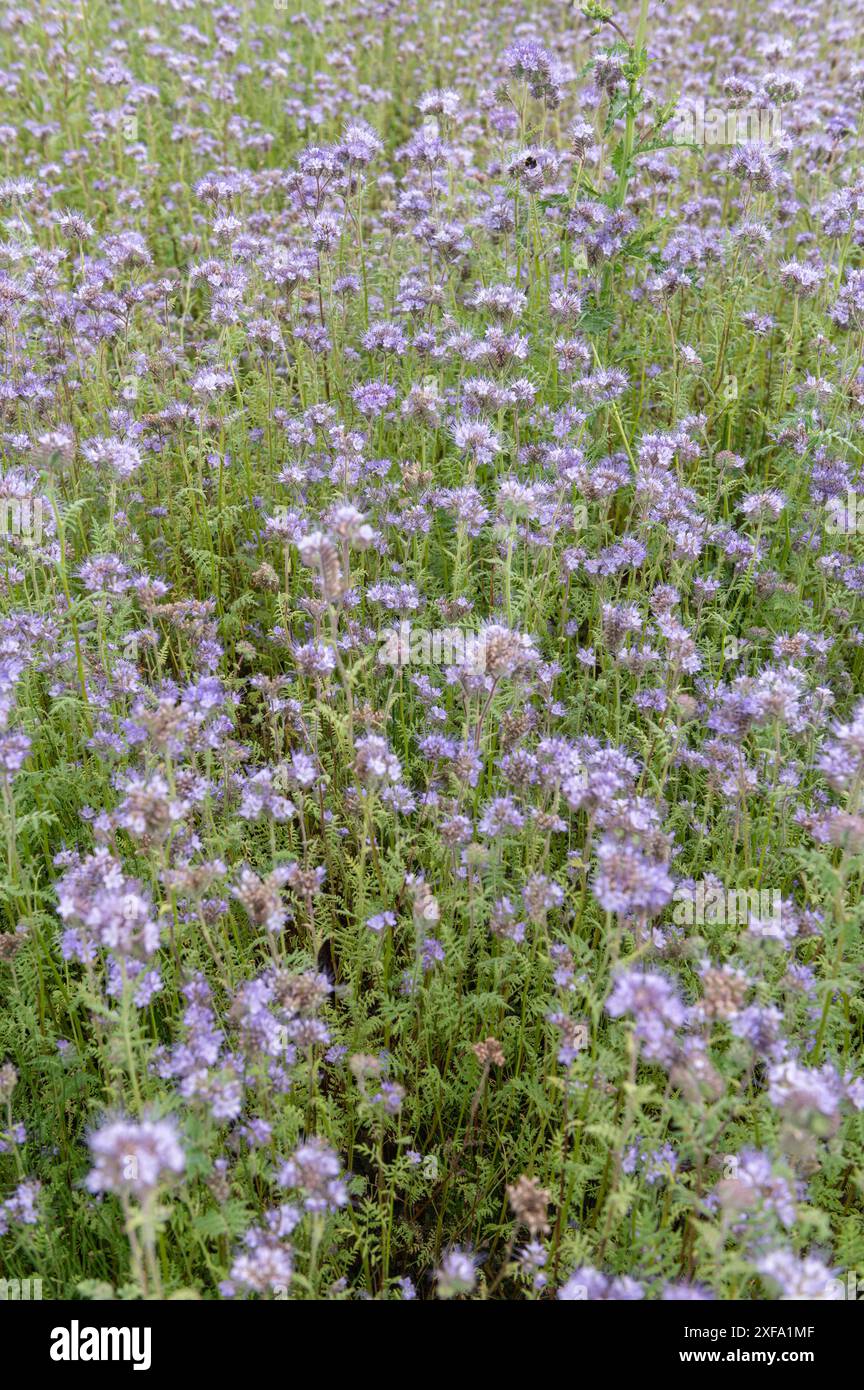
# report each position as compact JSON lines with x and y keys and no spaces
{"x":798,"y":1279}
{"x":457,"y":1274}
{"x":656,"y":1007}
{"x":811,"y":1096}
{"x":135,"y":1157}
{"x":314,"y":1171}
{"x":528,"y":60}
{"x":20,"y":1209}
{"x":14,"y":751}
{"x":260,"y":797}
{"x":266,"y":1263}
{"x":100,"y":906}
{"x":628,"y":882}
{"x":591,"y":1285}
{"x":360,"y":144}
{"x":375,"y":764}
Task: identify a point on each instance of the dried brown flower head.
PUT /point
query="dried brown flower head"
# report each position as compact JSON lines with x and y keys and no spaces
{"x":489,"y":1052}
{"x":529,"y":1202}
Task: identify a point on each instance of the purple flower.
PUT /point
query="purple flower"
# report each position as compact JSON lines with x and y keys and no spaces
{"x":457,"y":1274}
{"x":135,"y":1157}
{"x":315,"y":1173}
{"x":20,"y":1208}
{"x":592,"y":1286}
{"x":266,"y":1262}
{"x":654,"y":1002}
{"x":799,"y":1278}
{"x":14,"y":752}
{"x":628,"y":882}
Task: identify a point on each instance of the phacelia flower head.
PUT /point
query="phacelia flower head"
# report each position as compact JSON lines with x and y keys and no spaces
{"x":315,"y":1173}
{"x":135,"y":1157}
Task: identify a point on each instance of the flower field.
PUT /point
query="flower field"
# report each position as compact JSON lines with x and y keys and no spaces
{"x":431,"y":650}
